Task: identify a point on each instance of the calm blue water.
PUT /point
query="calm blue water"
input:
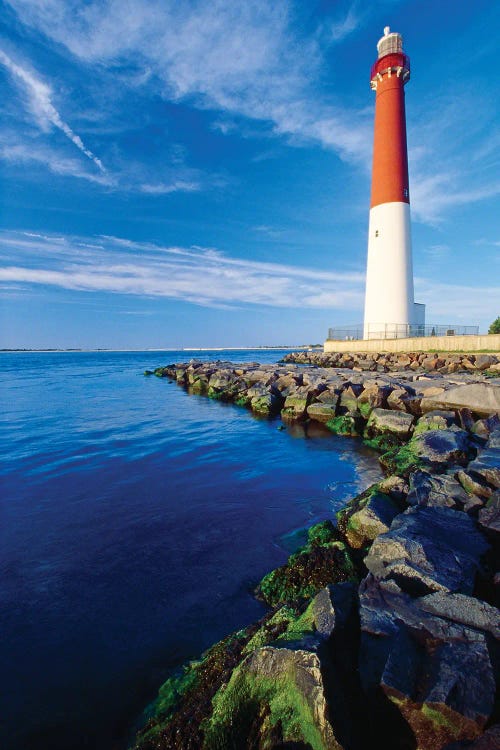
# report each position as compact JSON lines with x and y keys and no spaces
{"x":135,"y":520}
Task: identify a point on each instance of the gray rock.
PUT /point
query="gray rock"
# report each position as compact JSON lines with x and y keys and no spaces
{"x":449,"y":447}
{"x":436,"y":671}
{"x":297,"y":403}
{"x":389,"y":421}
{"x":474,"y":485}
{"x":435,"y":420}
{"x":394,"y":486}
{"x":293,"y":677}
{"x":481,"y":398}
{"x":489,"y":517}
{"x":333,"y":606}
{"x":487,"y":463}
{"x":321,"y":412}
{"x":464,"y":609}
{"x":484,"y":427}
{"x":484,"y":361}
{"x":440,"y":490}
{"x":374,"y":518}
{"x":428,"y":549}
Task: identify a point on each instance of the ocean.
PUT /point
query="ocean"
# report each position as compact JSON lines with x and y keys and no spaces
{"x":136,"y":520}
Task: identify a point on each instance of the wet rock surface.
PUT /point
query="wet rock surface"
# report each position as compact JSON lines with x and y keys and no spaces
{"x":383,"y":629}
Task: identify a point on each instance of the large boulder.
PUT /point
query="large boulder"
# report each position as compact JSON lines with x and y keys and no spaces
{"x":373,"y":517}
{"x":445,"y":447}
{"x":277,"y":697}
{"x":441,"y":490}
{"x":436,"y":671}
{"x":429,"y":549}
{"x":489,"y":517}
{"x":321,"y":412}
{"x":481,"y":398}
{"x":389,"y":421}
{"x":296,"y":404}
{"x":487,"y":463}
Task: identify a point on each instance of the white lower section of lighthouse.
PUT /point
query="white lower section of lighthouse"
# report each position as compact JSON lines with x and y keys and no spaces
{"x":390,"y":310}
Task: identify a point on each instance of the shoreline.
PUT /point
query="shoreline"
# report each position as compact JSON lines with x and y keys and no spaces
{"x":405,"y":575}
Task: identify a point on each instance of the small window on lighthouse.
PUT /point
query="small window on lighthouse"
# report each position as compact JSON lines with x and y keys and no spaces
{"x":376,"y":233}
{"x":405,"y":192}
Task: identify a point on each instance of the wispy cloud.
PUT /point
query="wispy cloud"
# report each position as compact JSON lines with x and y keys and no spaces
{"x":207,"y":277}
{"x":162,"y":188}
{"x":340,"y":28}
{"x":243,"y":59}
{"x":19,"y":152}
{"x":203,"y":276}
{"x":39,"y":96}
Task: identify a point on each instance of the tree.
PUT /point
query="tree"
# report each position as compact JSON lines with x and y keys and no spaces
{"x":495,"y":326}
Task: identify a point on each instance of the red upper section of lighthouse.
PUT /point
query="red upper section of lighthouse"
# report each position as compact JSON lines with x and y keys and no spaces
{"x":390,"y":160}
{"x":395,"y":61}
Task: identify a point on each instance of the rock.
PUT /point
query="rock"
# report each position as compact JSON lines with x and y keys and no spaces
{"x":323,"y":560}
{"x":428,"y":549}
{"x":321,"y":412}
{"x":277,"y":696}
{"x":394,"y":486}
{"x":346,"y":425}
{"x":266,"y":405}
{"x":464,"y":609}
{"x":438,"y":490}
{"x":432,"y":390}
{"x":372,"y":519}
{"x":296,"y":404}
{"x":332,"y":607}
{"x":484,"y":427}
{"x":487,"y":463}
{"x":484,"y":361}
{"x":481,"y":398}
{"x":489,"y":516}
{"x":398,"y":399}
{"x":372,"y":397}
{"x":451,"y":446}
{"x":473,"y":485}
{"x":435,"y":420}
{"x":437,"y":672}
{"x":348,"y":403}
{"x":383,"y":421}
{"x":490,"y":740}
{"x":330,"y":396}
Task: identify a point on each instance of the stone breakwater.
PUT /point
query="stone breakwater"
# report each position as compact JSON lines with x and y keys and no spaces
{"x":390,"y":362}
{"x":383,"y":630}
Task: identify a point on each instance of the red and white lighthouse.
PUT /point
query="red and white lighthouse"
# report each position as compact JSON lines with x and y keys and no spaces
{"x":390,"y":310}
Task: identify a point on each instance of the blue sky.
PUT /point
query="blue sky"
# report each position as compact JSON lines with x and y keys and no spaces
{"x":197,"y":173}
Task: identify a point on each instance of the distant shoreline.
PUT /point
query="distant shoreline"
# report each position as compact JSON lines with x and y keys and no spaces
{"x":181,"y":349}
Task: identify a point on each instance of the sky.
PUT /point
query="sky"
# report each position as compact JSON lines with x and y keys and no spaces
{"x":197,"y":173}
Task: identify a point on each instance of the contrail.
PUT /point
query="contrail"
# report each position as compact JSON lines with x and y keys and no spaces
{"x":40,"y":100}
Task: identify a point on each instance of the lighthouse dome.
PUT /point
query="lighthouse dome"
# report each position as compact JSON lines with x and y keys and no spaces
{"x":390,"y":43}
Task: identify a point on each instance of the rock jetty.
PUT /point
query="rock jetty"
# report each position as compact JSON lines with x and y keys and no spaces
{"x":383,"y":630}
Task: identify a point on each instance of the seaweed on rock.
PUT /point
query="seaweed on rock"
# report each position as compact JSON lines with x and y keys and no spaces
{"x":324,"y":559}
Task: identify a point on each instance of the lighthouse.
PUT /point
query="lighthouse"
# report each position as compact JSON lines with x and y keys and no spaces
{"x":390,"y":310}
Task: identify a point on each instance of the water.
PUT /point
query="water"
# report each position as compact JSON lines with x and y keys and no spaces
{"x":135,"y":520}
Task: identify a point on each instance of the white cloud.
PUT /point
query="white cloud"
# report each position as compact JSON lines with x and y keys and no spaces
{"x":162,"y":188}
{"x":18,"y":152}
{"x":237,"y":58}
{"x":203,"y":276}
{"x":40,"y":102}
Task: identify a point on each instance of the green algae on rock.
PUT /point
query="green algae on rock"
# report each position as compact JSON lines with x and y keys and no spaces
{"x":366,"y":516}
{"x":346,"y":425}
{"x":324,"y":559}
{"x":275,"y":698}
